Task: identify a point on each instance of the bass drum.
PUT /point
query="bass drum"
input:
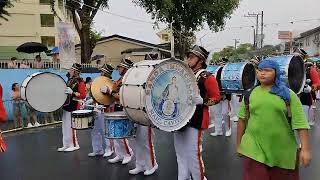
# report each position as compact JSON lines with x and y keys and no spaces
{"x":216,"y":71}
{"x":238,"y":77}
{"x":44,"y":91}
{"x":158,"y":93}
{"x":292,"y":71}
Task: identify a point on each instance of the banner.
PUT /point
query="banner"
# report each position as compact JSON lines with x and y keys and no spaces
{"x":66,"y":36}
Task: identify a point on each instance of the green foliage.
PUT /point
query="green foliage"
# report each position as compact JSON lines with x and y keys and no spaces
{"x":189,"y":16}
{"x":3,"y":12}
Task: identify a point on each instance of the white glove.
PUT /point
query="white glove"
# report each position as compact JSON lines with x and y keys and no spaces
{"x":105,"y":89}
{"x":308,"y":81}
{"x":197,"y":100}
{"x":68,"y":90}
{"x":98,"y":108}
{"x":307,"y":89}
{"x":88,"y":102}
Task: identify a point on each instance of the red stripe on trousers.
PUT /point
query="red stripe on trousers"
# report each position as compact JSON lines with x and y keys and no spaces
{"x":126,"y":146}
{"x":111,"y":144}
{"x":151,"y":146}
{"x":199,"y":155}
{"x":73,"y":138}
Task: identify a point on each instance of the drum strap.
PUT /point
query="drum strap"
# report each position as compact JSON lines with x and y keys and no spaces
{"x":199,"y":72}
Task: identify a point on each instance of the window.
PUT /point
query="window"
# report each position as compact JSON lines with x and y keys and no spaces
{"x":316,"y":37}
{"x":165,"y":37}
{"x":48,"y":41}
{"x":47,"y":20}
{"x":307,"y":41}
{"x":45,"y":2}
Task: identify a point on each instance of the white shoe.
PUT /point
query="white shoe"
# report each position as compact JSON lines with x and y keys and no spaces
{"x":216,"y":134}
{"x":211,"y":126}
{"x":62,"y":149}
{"x":311,"y":123}
{"x":115,"y":159}
{"x":70,"y":149}
{"x":29,"y":125}
{"x":107,"y":153}
{"x":135,"y":171}
{"x":93,"y":154}
{"x":151,"y":171}
{"x":36,"y":124}
{"x":235,"y":119}
{"x":228,"y":133}
{"x":126,"y":159}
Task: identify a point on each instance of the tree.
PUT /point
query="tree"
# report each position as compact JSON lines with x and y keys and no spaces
{"x":244,"y":48}
{"x":189,"y":16}
{"x":227,"y":52}
{"x":83,"y":13}
{"x":3,"y":12}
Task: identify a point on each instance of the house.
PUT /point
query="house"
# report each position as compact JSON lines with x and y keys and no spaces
{"x":310,"y":41}
{"x":116,"y":47}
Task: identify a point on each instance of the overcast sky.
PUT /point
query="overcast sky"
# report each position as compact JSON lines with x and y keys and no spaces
{"x":275,"y":11}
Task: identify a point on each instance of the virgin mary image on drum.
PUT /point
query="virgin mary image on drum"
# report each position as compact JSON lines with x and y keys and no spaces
{"x":170,"y":99}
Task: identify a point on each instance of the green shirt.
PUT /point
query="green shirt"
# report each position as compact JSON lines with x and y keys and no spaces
{"x":268,"y":137}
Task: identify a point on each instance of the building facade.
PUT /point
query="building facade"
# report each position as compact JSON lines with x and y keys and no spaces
{"x":31,"y":21}
{"x":310,"y":41}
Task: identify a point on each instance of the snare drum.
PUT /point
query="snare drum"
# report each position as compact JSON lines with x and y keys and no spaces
{"x":82,"y":119}
{"x":158,"y":93}
{"x":44,"y":91}
{"x":238,"y":77}
{"x":118,"y":126}
{"x":292,"y":71}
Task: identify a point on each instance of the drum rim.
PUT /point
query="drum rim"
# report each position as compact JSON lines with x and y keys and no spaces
{"x":193,"y":108}
{"x":37,"y":74}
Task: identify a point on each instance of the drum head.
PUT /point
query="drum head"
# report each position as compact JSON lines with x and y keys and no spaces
{"x":97,"y":94}
{"x":83,"y":111}
{"x":248,"y":76}
{"x":169,"y":91}
{"x":45,"y":92}
{"x":296,"y":74}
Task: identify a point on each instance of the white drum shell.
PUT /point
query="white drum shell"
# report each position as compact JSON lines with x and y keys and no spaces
{"x":83,"y":122}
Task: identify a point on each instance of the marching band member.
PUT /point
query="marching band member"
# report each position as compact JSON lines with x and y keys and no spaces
{"x":144,"y":150}
{"x":122,"y":149}
{"x":98,"y":132}
{"x":188,"y":140}
{"x":76,"y":90}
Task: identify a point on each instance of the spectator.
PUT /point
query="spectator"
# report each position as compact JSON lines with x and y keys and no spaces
{"x":31,"y":116}
{"x":38,"y":64}
{"x":17,"y":104}
{"x":13,"y":64}
{"x":24,"y":64}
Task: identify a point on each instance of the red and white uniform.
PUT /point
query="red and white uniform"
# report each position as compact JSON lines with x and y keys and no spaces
{"x":69,"y":134}
{"x":188,"y":141}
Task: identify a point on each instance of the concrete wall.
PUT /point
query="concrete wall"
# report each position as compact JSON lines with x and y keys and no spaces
{"x":311,"y":49}
{"x":10,"y":76}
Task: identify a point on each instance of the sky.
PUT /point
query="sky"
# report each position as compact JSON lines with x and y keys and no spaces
{"x":275,"y":11}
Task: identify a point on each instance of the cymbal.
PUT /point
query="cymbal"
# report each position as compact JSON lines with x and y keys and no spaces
{"x":97,"y":95}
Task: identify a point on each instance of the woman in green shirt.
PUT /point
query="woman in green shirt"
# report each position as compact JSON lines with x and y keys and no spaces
{"x":266,"y":139}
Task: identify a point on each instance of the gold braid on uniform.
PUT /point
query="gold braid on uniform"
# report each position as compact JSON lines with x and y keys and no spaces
{"x":114,"y":93}
{"x":209,"y":102}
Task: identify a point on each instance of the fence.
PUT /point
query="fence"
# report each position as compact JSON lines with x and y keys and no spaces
{"x":30,"y":64}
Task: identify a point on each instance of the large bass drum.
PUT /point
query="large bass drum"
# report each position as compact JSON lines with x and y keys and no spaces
{"x":159,"y":93}
{"x":292,"y":71}
{"x":216,"y":71}
{"x":238,"y":77}
{"x":44,"y":91}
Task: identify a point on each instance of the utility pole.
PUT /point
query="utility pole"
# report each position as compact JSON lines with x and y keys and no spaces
{"x":262,"y":35}
{"x":236,"y":41}
{"x":172,"y":40}
{"x":255,"y":15}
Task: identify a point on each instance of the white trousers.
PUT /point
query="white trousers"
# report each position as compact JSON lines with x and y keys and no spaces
{"x":309,"y":113}
{"x":219,"y":112}
{"x":235,"y":106}
{"x":187,"y":145}
{"x":69,"y":138}
{"x":98,"y":140}
{"x":143,"y":148}
{"x":122,"y":148}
